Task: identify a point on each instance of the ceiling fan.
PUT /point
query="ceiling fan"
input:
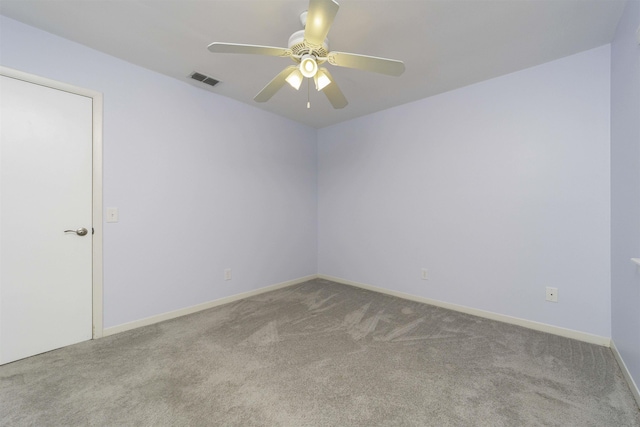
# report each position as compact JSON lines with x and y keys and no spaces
{"x":309,"y":49}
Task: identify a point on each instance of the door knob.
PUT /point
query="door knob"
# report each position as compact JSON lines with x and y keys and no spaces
{"x":80,"y":231}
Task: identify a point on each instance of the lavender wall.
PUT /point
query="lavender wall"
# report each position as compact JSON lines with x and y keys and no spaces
{"x":625,"y":188}
{"x":499,"y":189}
{"x":202,"y":182}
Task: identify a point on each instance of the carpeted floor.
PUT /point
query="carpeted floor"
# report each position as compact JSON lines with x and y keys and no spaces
{"x":321,"y":354}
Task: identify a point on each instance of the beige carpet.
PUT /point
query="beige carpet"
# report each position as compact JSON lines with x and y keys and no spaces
{"x":321,"y":354}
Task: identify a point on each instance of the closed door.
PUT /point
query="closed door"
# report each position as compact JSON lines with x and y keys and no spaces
{"x":46,"y":189}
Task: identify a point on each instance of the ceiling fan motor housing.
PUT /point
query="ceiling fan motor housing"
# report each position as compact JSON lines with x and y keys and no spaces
{"x":299,"y":46}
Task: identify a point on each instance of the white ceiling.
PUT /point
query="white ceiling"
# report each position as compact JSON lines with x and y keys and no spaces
{"x":445,"y":44}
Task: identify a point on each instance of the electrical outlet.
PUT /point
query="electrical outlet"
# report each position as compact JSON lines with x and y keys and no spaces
{"x":552,"y":294}
{"x":227,"y":274}
{"x":425,"y":275}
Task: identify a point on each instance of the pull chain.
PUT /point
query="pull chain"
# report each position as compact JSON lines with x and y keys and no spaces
{"x":308,"y":92}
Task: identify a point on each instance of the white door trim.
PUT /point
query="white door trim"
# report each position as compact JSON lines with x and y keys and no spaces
{"x":97,"y":180}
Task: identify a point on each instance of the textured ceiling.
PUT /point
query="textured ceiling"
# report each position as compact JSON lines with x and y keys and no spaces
{"x":445,"y":44}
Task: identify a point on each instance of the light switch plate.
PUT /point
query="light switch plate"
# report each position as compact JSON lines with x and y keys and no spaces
{"x":112,"y":214}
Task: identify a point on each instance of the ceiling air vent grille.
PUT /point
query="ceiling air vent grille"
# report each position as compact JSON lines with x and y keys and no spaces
{"x":204,"y":79}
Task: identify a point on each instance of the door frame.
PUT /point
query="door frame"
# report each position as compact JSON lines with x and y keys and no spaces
{"x":97,"y":281}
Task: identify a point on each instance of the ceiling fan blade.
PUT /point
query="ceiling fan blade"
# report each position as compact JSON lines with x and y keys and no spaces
{"x":252,"y":49}
{"x":390,"y":67}
{"x":274,"y":85}
{"x":319,"y":19}
{"x":333,"y":92}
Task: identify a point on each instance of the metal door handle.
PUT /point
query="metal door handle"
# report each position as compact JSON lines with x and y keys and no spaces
{"x":80,"y":231}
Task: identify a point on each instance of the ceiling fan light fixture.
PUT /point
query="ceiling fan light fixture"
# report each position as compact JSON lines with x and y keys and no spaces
{"x":295,"y":79}
{"x":321,"y":79}
{"x":308,"y":65}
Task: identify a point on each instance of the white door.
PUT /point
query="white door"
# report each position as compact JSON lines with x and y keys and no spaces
{"x":45,"y":189}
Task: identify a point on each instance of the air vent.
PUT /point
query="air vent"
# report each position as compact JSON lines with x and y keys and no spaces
{"x":204,"y":79}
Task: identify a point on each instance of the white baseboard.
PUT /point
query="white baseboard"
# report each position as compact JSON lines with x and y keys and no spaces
{"x":204,"y":306}
{"x":625,"y":372}
{"x":543,"y":327}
